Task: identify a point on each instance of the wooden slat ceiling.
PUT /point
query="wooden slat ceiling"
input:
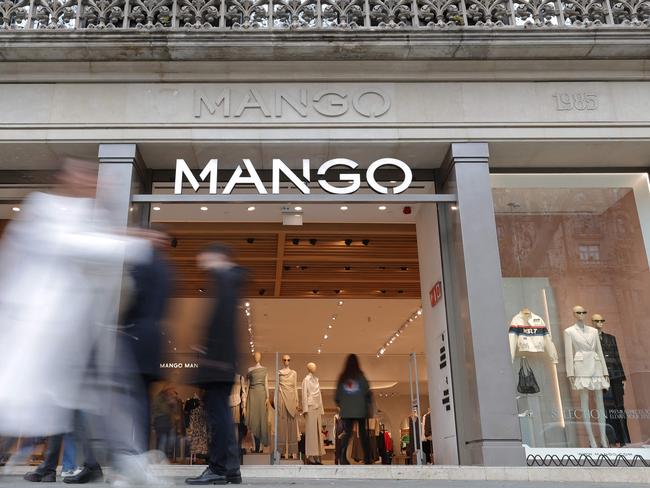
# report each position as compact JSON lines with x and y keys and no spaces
{"x":310,"y":261}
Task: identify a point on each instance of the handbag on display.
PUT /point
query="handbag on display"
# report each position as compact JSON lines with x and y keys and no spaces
{"x":527,"y":383}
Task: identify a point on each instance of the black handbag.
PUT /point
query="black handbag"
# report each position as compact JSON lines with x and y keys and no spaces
{"x":527,"y":383}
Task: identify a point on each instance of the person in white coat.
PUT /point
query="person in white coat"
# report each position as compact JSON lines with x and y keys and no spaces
{"x":61,"y":270}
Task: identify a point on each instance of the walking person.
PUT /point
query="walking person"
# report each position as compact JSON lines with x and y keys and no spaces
{"x":218,"y":366}
{"x":354,"y":398}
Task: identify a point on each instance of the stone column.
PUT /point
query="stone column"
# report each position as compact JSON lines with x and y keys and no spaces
{"x":121,"y":173}
{"x":484,"y":389}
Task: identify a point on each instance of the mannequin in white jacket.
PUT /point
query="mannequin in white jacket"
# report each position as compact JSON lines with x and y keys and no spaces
{"x":587,"y":371}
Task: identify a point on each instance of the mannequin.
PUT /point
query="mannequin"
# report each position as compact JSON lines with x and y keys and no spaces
{"x":614,"y":401}
{"x":257,"y":401}
{"x":288,"y":409}
{"x":528,"y":334}
{"x":586,"y":370}
{"x":312,"y":406}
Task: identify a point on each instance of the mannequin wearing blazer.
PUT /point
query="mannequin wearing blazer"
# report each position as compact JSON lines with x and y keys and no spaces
{"x":587,"y":371}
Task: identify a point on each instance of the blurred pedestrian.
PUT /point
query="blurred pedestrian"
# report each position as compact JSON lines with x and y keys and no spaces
{"x":218,"y":365}
{"x":354,"y":398}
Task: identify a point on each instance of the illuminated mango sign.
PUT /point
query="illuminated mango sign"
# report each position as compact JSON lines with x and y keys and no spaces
{"x":351,"y":181}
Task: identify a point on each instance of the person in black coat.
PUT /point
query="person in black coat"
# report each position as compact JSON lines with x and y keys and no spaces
{"x":218,"y":365}
{"x":141,"y":338}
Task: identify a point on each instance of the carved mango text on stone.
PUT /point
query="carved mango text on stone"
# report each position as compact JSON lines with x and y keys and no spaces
{"x":235,"y":103}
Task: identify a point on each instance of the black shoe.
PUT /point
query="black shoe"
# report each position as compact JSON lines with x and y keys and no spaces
{"x":234,"y":478}
{"x":38,"y":477}
{"x":86,"y":475}
{"x":208,"y":477}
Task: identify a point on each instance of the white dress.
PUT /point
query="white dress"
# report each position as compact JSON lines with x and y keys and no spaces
{"x":585,"y":361}
{"x":61,"y":270}
{"x":312,"y":405}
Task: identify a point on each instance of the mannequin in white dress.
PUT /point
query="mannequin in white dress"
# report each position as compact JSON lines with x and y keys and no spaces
{"x":587,"y":371}
{"x":312,"y":407}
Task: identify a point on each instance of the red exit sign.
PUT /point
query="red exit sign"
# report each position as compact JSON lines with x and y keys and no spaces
{"x":435,"y":294}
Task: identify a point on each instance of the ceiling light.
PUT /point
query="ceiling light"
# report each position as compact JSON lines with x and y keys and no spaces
{"x":419,"y":312}
{"x":16,"y":209}
{"x":251,"y":208}
{"x":365,"y":242}
{"x":297,"y":209}
{"x":382,"y":207}
{"x":454,"y":207}
{"x":340,"y":302}
{"x":319,"y":351}
{"x":325,"y":336}
{"x":313,"y":242}
{"x":248,"y":304}
{"x":344,"y":207}
{"x":329,"y":326}
{"x":295,"y":241}
{"x":204,"y":209}
{"x":348,"y":242}
{"x":155,"y":209}
{"x":131,"y":209}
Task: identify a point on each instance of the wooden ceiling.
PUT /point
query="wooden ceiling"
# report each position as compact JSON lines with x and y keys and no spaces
{"x":309,"y":261}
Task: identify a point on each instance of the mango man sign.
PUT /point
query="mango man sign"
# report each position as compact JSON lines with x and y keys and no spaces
{"x":351,"y":181}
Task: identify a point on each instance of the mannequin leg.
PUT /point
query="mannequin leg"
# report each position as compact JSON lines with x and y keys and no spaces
{"x":586,"y":416}
{"x":600,"y":408}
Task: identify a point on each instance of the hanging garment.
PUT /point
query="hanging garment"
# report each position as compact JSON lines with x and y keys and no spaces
{"x":530,"y":335}
{"x":312,"y":404}
{"x":236,"y":398}
{"x":198,"y":431}
{"x":256,"y":417}
{"x":585,"y":362}
{"x":287,"y":412}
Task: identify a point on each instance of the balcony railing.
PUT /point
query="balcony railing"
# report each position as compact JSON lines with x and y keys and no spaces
{"x":320,"y":14}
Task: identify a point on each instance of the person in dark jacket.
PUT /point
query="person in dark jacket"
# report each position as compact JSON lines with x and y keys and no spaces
{"x":354,"y":398}
{"x":218,"y":365}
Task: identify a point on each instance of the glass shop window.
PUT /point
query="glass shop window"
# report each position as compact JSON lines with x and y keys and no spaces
{"x":574,"y":257}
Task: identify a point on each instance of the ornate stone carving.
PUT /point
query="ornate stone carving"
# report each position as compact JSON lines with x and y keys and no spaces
{"x":247,"y":14}
{"x":103,"y":13}
{"x":440,"y":13}
{"x":199,"y":13}
{"x":13,"y":13}
{"x":294,"y":14}
{"x":54,"y":14}
{"x":584,"y":13}
{"x":536,"y":13}
{"x":392,"y":14}
{"x":342,"y":14}
{"x":631,"y":12}
{"x":321,"y":14}
{"x":151,"y":14}
{"x":488,"y":13}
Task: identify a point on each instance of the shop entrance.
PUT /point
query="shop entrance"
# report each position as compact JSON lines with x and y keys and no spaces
{"x":348,"y":280}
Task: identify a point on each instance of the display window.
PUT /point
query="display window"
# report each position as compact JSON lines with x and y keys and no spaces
{"x":574,"y":261}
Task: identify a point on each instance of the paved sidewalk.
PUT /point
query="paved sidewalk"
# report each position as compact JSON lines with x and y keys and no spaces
{"x":18,"y":482}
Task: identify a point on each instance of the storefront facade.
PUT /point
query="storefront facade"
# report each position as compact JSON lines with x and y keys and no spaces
{"x":534,"y":136}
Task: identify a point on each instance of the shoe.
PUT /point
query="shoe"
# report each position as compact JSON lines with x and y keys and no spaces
{"x":208,"y":477}
{"x":37,"y":477}
{"x":234,"y":478}
{"x":70,"y":472}
{"x":86,"y":475}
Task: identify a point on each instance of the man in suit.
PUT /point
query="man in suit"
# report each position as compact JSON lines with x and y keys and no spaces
{"x":217,"y":366}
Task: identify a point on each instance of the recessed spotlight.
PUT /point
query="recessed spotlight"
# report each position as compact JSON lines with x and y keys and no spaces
{"x":131,"y":209}
{"x":348,"y":268}
{"x":382,"y":207}
{"x":315,"y":292}
{"x":295,"y":242}
{"x":313,"y":242}
{"x":325,"y":336}
{"x":204,"y":209}
{"x":340,"y":302}
{"x":365,"y":242}
{"x":251,"y":208}
{"x":155,"y":209}
{"x":297,"y":209}
{"x":250,"y":240}
{"x":201,"y":290}
{"x":247,"y":304}
{"x":454,"y":207}
{"x":319,"y":351}
{"x":348,"y":242}
{"x":344,"y":207}
{"x":16,"y":209}
{"x":329,"y":326}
